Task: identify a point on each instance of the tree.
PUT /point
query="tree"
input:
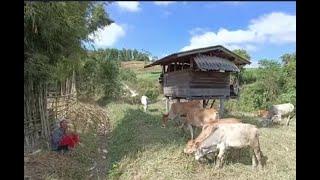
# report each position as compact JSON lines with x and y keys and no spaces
{"x":289,"y":78}
{"x":54,"y":32}
{"x":243,"y":53}
{"x":286,"y":58}
{"x":53,"y":36}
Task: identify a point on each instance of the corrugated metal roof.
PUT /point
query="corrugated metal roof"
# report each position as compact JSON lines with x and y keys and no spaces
{"x":215,"y":63}
{"x":176,"y":56}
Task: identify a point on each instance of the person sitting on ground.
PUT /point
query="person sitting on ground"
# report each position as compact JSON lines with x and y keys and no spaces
{"x":61,"y":139}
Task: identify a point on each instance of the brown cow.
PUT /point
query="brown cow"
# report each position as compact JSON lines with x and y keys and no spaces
{"x":179,"y":109}
{"x":199,"y":117}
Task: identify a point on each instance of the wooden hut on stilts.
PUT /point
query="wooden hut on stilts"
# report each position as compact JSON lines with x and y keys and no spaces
{"x":203,"y":73}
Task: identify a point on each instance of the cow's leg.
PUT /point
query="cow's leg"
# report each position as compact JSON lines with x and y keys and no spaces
{"x":288,"y":120}
{"x":191,"y":130}
{"x":182,"y":124}
{"x":258,"y":154}
{"x":175,"y":121}
{"x":220,"y":157}
{"x":254,"y":160}
{"x":165,"y":120}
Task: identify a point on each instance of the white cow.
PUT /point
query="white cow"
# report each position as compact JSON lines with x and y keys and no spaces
{"x":144,"y":102}
{"x":231,"y":135}
{"x":276,"y":112}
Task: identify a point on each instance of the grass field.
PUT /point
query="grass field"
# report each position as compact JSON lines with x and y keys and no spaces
{"x":138,"y":148}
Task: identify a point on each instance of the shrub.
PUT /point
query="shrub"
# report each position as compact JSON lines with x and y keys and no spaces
{"x":128,"y":75}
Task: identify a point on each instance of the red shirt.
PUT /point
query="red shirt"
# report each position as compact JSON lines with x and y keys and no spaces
{"x":70,"y":140}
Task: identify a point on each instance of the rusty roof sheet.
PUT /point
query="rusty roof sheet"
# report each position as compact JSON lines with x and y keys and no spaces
{"x":206,"y":63}
{"x":239,"y":60}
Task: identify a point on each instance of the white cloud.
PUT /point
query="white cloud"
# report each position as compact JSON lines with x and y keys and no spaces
{"x":131,"y":6}
{"x":108,"y":35}
{"x":163,"y":3}
{"x":275,"y":28}
{"x":254,"y":64}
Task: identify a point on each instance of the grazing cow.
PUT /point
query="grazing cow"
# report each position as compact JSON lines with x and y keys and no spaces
{"x":144,"y":102}
{"x":199,"y":117}
{"x":179,"y":109}
{"x":236,"y":135}
{"x":276,"y":112}
{"x":207,"y":129}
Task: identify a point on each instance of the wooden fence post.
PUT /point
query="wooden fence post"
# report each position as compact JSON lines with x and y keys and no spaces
{"x":221,"y":108}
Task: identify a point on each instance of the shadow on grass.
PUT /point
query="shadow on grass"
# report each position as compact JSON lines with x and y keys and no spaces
{"x":129,"y":100}
{"x":137,"y":131}
{"x":103,"y":101}
{"x":246,"y":119}
{"x":232,"y":156}
{"x":156,"y":72}
{"x":153,"y":110}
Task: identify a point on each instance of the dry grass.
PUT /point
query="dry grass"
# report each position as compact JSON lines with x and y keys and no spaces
{"x":140,"y":149}
{"x":138,"y":67}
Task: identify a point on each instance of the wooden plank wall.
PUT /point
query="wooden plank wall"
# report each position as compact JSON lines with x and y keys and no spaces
{"x":177,"y":78}
{"x":209,"y":80}
{"x":190,"y":84}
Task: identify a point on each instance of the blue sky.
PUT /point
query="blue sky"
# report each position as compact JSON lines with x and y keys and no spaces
{"x":264,"y":29}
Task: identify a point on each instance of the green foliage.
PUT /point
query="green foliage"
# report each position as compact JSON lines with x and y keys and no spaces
{"x":109,"y":78}
{"x":99,"y":76}
{"x":248,"y":76}
{"x":148,"y":88}
{"x":128,"y":75}
{"x":124,"y":54}
{"x":271,"y":83}
{"x":53,"y":33}
{"x":270,"y":79}
{"x":289,"y":78}
{"x":243,"y":53}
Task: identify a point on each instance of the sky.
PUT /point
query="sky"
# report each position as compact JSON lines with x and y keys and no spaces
{"x":266,"y":30}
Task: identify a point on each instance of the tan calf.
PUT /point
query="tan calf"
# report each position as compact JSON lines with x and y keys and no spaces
{"x":199,"y":117}
{"x":179,"y":109}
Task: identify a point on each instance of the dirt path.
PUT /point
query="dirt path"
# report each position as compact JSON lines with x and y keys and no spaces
{"x":133,"y":92}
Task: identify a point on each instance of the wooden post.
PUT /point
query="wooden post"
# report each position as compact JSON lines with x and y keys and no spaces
{"x":191,"y":63}
{"x":204,"y":103}
{"x":221,"y":108}
{"x":167,"y":105}
{"x":212,"y":103}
